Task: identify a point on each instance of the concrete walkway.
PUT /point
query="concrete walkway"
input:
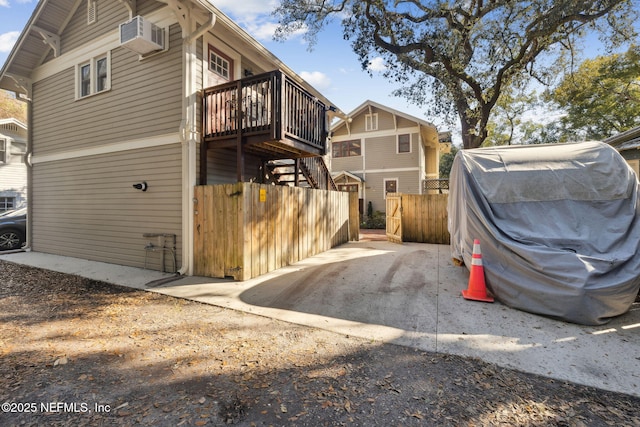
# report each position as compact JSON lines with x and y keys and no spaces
{"x":403,"y":294}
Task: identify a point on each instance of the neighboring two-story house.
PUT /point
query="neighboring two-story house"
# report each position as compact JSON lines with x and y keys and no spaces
{"x":122,"y":129}
{"x":13,"y":171}
{"x":379,"y":150}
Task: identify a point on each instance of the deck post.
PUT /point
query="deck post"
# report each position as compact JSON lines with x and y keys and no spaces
{"x":238,"y":124}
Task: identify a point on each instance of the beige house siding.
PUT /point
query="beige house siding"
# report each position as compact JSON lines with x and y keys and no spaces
{"x":77,"y":32}
{"x":87,"y":207}
{"x":382,"y":152}
{"x":87,"y":152}
{"x":110,"y":14}
{"x":141,"y":102}
{"x":354,"y":163}
{"x":408,"y":182}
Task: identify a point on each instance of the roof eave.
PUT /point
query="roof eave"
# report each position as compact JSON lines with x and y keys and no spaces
{"x":246,"y":37}
{"x":6,"y":81}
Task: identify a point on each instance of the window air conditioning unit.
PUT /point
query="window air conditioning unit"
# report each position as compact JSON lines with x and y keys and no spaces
{"x":141,"y":36}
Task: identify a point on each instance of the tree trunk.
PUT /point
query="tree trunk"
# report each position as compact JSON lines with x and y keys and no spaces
{"x":469,"y":137}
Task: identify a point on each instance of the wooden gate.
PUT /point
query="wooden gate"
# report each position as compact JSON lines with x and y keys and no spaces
{"x":418,"y":218}
{"x":394,"y":217}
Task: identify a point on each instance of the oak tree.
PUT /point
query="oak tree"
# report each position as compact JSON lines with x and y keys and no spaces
{"x":602,"y":97}
{"x":459,"y":55}
{"x":11,"y":108}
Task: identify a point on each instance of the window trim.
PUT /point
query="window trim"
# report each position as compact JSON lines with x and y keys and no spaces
{"x":224,"y":57}
{"x":4,"y":151}
{"x":371,"y":122}
{"x":398,"y":144}
{"x":385,"y":180}
{"x":4,"y":202}
{"x":93,"y":82}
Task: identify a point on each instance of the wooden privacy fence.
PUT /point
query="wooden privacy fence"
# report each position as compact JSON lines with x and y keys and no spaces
{"x":417,"y":218}
{"x":245,"y":230}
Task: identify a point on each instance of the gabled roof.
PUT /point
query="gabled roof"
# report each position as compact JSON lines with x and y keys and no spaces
{"x":628,"y":140}
{"x":50,"y":18}
{"x":337,"y":175}
{"x":12,"y":125}
{"x":368,"y":103}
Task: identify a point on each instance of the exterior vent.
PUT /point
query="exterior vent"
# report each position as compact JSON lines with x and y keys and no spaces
{"x":141,"y":36}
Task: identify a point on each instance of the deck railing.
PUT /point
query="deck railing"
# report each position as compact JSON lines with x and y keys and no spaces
{"x":269,"y":104}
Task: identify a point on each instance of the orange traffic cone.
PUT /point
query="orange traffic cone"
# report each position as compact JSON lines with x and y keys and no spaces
{"x":477,"y":289}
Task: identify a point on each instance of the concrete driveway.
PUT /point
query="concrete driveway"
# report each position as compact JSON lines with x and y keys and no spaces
{"x":409,"y":294}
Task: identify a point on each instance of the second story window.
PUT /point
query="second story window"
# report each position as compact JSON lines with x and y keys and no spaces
{"x":371,"y":122}
{"x":220,"y":63}
{"x":3,"y":151}
{"x":94,"y":76}
{"x":346,"y":148}
{"x":404,"y":143}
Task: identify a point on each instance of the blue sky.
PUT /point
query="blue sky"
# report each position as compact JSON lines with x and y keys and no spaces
{"x":340,"y":79}
{"x":331,"y":66}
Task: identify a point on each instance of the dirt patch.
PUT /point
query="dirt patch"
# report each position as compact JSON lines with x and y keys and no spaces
{"x":78,"y":352}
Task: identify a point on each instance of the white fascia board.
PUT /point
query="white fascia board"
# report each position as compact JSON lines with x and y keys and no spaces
{"x":376,"y":134}
{"x":152,"y":141}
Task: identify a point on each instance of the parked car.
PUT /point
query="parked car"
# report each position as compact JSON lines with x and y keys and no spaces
{"x":13,"y":229}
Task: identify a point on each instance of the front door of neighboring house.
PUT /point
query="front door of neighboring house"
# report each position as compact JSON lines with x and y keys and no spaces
{"x":390,"y":186}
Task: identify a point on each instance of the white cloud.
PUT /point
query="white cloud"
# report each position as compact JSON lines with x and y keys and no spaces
{"x":377,"y":64}
{"x":7,"y":40}
{"x":261,"y":30}
{"x":244,"y":9}
{"x":316,"y":79}
{"x":4,"y":3}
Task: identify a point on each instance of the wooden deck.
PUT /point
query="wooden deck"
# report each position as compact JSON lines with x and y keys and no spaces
{"x":268,"y":114}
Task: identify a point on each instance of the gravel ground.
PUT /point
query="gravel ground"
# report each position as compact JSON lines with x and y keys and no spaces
{"x":78,"y":352}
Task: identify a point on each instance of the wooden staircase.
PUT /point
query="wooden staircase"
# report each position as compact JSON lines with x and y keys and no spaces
{"x":309,"y":172}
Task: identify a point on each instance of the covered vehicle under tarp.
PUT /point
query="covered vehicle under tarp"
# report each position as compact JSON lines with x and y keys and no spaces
{"x":558,"y":224}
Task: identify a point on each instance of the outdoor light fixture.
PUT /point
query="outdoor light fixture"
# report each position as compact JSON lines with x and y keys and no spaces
{"x":141,"y":186}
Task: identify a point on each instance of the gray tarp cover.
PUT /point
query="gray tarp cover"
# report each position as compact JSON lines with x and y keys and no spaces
{"x":559,"y":227}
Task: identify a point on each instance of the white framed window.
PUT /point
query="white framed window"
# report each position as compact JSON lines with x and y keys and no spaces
{"x":220,"y":63}
{"x":371,"y":122}
{"x":92,"y":12}
{"x":346,"y":148}
{"x":390,"y":186}
{"x":93,"y":76}
{"x":404,"y":143}
{"x":3,"y":151}
{"x":7,"y":203}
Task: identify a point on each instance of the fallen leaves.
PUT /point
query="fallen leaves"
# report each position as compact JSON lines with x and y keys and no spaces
{"x":155,"y":360}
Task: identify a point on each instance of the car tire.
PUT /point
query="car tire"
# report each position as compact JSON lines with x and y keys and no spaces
{"x":11,"y":239}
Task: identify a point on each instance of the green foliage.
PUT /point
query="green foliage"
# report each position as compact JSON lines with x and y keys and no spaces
{"x":460,"y":56}
{"x":512,"y":105}
{"x":602,"y":97}
{"x":11,"y":108}
{"x":446,"y":161}
{"x":375,"y":220}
